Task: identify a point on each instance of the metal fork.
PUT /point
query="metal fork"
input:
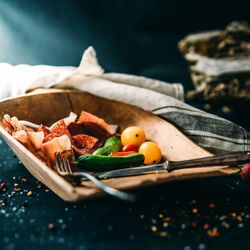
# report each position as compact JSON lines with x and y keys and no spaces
{"x":64,"y":169}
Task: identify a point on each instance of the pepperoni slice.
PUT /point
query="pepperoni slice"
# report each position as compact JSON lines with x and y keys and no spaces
{"x":87,"y":117}
{"x":95,"y":130}
{"x":82,"y":151}
{"x":60,"y":128}
{"x":49,"y":137}
{"x":88,"y":128}
{"x":76,"y":128}
{"x":84,"y":141}
{"x":45,"y":130}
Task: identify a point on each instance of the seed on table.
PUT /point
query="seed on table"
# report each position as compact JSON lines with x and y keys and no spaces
{"x":239,"y":218}
{"x":165,"y":224}
{"x":142,"y":216}
{"x":223,"y":217}
{"x":195,"y":210}
{"x":29,"y":193}
{"x":211,"y":205}
{"x":202,"y":246}
{"x":213,"y":232}
{"x":240,"y":225}
{"x":167,"y":219}
{"x":194,"y":224}
{"x":225,"y":224}
{"x":163,"y":234}
{"x":64,"y":228}
{"x":51,"y":226}
{"x":25,"y":180}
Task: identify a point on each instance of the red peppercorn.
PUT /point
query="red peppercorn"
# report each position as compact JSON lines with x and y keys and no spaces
{"x":205,"y":226}
{"x":195,"y":210}
{"x":25,"y":180}
{"x":194,"y":224}
{"x":51,"y":226}
{"x":211,"y":205}
{"x":3,"y":185}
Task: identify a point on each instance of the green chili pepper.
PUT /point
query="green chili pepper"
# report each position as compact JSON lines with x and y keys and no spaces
{"x":103,"y":162}
{"x":112,"y":144}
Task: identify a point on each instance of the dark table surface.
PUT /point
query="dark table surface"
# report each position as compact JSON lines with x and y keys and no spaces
{"x":135,"y":37}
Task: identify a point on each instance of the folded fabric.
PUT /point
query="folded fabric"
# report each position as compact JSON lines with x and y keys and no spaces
{"x":163,"y":99}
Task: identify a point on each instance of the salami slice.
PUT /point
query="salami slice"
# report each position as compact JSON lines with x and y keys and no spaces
{"x":49,"y":137}
{"x":84,"y":141}
{"x":60,"y":128}
{"x":82,"y":151}
{"x":87,"y":117}
{"x":76,"y":128}
{"x":95,"y":130}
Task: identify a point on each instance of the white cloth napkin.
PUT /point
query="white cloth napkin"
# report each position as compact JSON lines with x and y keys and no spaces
{"x":161,"y":98}
{"x":89,"y":76}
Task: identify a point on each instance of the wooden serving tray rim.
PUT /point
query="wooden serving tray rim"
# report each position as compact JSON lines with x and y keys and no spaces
{"x":68,"y":192}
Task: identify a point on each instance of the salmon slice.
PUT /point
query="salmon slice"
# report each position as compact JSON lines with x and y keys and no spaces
{"x":21,"y":136}
{"x":36,"y":139}
{"x":56,"y":145}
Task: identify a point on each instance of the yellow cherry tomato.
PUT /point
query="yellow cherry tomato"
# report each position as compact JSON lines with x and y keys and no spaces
{"x":133,"y":135}
{"x":151,"y":152}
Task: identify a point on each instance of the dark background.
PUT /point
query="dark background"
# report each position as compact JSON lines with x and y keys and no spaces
{"x":136,"y":37}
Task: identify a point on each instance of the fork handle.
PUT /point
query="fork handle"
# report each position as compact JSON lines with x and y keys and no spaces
{"x":235,"y":158}
{"x":109,"y":190}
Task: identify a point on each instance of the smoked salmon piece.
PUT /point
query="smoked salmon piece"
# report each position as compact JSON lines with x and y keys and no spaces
{"x":21,"y":136}
{"x":56,"y":145}
{"x":36,"y":139}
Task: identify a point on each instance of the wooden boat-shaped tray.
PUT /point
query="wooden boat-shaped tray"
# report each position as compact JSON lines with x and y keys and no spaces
{"x":48,"y":106}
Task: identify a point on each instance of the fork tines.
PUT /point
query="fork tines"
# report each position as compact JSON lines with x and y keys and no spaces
{"x":62,"y":164}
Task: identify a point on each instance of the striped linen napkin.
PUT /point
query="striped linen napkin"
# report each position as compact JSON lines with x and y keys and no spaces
{"x":211,"y":132}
